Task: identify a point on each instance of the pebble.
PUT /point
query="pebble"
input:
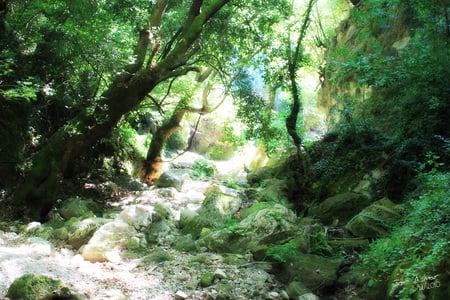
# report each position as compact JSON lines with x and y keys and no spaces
{"x":180,"y":295}
{"x":220,"y":274}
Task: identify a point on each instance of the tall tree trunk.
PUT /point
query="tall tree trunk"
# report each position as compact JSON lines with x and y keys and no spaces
{"x":294,"y":64}
{"x":153,"y":163}
{"x":295,"y":59}
{"x":37,"y":193}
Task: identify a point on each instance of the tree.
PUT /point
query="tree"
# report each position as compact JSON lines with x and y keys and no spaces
{"x":156,"y":60}
{"x":295,"y":58}
{"x":153,"y":161}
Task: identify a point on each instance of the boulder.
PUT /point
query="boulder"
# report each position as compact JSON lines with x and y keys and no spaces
{"x":77,"y":207}
{"x":80,"y":232}
{"x":107,"y":241}
{"x":220,"y":202}
{"x":313,"y":271}
{"x":169,"y":179}
{"x":375,"y":220}
{"x":340,"y":208}
{"x":139,"y":216}
{"x":265,"y":226}
{"x":33,"y":286}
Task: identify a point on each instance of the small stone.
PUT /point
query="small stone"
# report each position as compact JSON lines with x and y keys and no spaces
{"x":273,"y":295}
{"x":284,"y":295}
{"x":180,"y":295}
{"x":220,"y":274}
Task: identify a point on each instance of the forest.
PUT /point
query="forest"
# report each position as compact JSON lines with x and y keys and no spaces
{"x":224,"y":149}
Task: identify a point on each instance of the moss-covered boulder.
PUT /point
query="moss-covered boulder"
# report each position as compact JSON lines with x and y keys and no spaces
{"x":340,"y":208}
{"x":375,"y":220}
{"x":217,"y":201}
{"x":265,"y":226}
{"x":192,"y":223}
{"x":80,"y":232}
{"x":313,"y":271}
{"x":78,"y":207}
{"x":38,"y":287}
{"x":169,"y":179}
{"x":273,"y":190}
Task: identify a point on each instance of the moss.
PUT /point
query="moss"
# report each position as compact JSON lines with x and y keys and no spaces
{"x":37,"y":287}
{"x":206,"y":279}
{"x":157,"y":256}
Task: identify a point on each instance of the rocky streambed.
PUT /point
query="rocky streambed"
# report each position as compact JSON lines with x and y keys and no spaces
{"x":137,"y":250}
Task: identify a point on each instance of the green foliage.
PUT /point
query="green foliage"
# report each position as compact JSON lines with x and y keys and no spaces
{"x":421,"y":245}
{"x":176,"y":142}
{"x":202,"y":169}
{"x":283,"y":253}
{"x":406,"y":83}
{"x":353,"y":148}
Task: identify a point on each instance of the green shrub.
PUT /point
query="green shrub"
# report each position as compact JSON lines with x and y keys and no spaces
{"x":419,"y":248}
{"x":176,"y":142}
{"x":202,"y":169}
{"x":283,"y":253}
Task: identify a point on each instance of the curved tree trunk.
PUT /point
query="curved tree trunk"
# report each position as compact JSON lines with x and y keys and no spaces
{"x":37,"y":193}
{"x":153,"y":163}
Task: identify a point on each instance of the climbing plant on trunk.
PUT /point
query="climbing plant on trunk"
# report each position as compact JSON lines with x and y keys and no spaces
{"x":156,"y":60}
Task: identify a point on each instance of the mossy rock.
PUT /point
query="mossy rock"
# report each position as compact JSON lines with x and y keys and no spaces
{"x":158,"y":256}
{"x":206,"y":279}
{"x":77,"y":207}
{"x":220,"y":203}
{"x":295,"y":289}
{"x":311,"y":270}
{"x":340,"y":208}
{"x":273,"y":190}
{"x":80,"y":232}
{"x":375,"y":220}
{"x":38,"y":287}
{"x":195,"y":223}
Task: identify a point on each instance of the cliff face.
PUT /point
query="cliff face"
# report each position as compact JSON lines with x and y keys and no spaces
{"x":369,"y":33}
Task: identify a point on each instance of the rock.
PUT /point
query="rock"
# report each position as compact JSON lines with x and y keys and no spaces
{"x":33,"y":286}
{"x":139,"y":216}
{"x":375,"y":220}
{"x":180,"y":295}
{"x":78,"y":207}
{"x":168,"y":179}
{"x":284,"y":295}
{"x":158,"y":256}
{"x":219,"y":202}
{"x":340,"y":208}
{"x":40,"y":246}
{"x":158,"y":232}
{"x":312,"y":271}
{"x":107,"y":241}
{"x":220,"y":274}
{"x":80,"y":232}
{"x":186,"y":216}
{"x":308,"y":296}
{"x":273,"y":295}
{"x":275,"y":190}
{"x":295,"y":289}
{"x":195,"y":223}
{"x":39,"y":230}
{"x":206,"y":279}
{"x":264,"y":226}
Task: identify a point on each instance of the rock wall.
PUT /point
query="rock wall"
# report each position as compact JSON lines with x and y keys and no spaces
{"x":369,"y":32}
